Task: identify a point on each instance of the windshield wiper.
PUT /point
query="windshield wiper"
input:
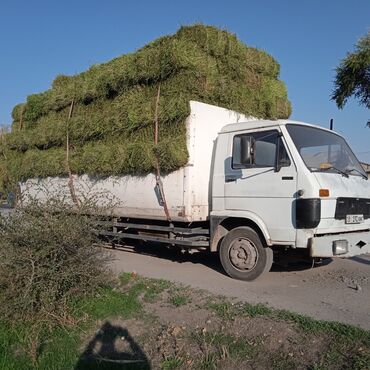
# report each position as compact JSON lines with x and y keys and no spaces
{"x":345,"y":174}
{"x":359,"y":172}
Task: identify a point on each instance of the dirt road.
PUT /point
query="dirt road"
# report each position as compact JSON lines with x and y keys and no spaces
{"x":338,"y":290}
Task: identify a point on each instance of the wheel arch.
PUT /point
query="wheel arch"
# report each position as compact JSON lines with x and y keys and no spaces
{"x":221,"y":225}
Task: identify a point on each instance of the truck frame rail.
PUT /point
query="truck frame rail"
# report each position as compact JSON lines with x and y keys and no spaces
{"x":185,"y":235}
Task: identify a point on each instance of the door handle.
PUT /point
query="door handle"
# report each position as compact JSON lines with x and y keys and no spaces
{"x":230,"y":178}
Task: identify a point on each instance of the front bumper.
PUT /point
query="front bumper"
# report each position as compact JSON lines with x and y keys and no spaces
{"x":340,"y":245}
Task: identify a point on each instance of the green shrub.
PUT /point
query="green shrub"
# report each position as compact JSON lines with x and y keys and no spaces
{"x":48,"y":258}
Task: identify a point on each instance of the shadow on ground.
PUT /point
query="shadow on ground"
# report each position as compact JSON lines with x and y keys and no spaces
{"x":112,"y":348}
{"x":284,"y":261}
{"x":362,"y":260}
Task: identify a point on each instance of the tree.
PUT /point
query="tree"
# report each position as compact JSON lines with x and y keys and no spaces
{"x":353,"y":76}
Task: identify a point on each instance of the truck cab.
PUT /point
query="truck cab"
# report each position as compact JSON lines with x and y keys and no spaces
{"x":286,"y":183}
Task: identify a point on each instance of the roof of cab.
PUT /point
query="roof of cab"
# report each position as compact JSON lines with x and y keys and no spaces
{"x":257,"y":124}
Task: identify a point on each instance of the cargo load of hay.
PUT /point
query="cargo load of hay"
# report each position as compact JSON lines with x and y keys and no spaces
{"x":111,"y":126}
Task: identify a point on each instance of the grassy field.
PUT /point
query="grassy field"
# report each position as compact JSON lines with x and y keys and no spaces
{"x":151,"y":324}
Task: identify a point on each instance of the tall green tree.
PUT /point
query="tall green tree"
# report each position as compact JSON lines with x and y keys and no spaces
{"x":353,"y":76}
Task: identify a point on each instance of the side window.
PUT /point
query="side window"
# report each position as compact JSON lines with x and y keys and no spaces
{"x":284,"y":159}
{"x":264,"y":150}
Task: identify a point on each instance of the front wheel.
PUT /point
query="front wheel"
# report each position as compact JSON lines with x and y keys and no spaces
{"x":243,"y":255}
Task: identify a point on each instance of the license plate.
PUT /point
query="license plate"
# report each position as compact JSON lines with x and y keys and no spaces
{"x":354,"y":219}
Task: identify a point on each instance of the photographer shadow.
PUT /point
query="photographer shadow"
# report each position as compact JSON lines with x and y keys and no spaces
{"x":112,"y":348}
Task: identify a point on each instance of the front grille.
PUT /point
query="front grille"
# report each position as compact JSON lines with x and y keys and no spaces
{"x":352,"y":206}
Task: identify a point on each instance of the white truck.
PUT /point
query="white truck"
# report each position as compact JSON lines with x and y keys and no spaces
{"x":249,"y":187}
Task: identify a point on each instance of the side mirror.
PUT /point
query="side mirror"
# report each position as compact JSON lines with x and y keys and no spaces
{"x":246,"y":151}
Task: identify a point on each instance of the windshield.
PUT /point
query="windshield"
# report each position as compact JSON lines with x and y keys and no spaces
{"x":324,"y":151}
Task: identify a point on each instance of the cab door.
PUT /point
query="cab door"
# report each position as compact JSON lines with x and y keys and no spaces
{"x":267,"y":185}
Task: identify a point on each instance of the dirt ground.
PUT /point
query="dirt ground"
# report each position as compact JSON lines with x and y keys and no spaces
{"x":336,"y":290}
{"x":184,"y":328}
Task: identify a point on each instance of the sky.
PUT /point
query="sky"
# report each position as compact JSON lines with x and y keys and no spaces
{"x":40,"y":39}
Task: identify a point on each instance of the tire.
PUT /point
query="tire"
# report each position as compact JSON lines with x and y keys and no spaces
{"x":243,"y":255}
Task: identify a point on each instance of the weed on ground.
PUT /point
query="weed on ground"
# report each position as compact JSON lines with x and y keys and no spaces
{"x":137,"y":324}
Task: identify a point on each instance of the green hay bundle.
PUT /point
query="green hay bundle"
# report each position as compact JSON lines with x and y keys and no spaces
{"x":133,"y":109}
{"x":113,"y":156}
{"x":111,"y":129}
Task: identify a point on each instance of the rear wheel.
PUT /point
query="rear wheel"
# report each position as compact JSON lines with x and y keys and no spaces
{"x":243,"y":255}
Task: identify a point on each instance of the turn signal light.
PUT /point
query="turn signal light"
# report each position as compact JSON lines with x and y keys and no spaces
{"x":324,"y":192}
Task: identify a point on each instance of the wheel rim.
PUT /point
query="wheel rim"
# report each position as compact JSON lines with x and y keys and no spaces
{"x":243,"y":254}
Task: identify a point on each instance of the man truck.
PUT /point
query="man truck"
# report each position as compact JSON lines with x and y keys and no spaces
{"x":250,"y":187}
